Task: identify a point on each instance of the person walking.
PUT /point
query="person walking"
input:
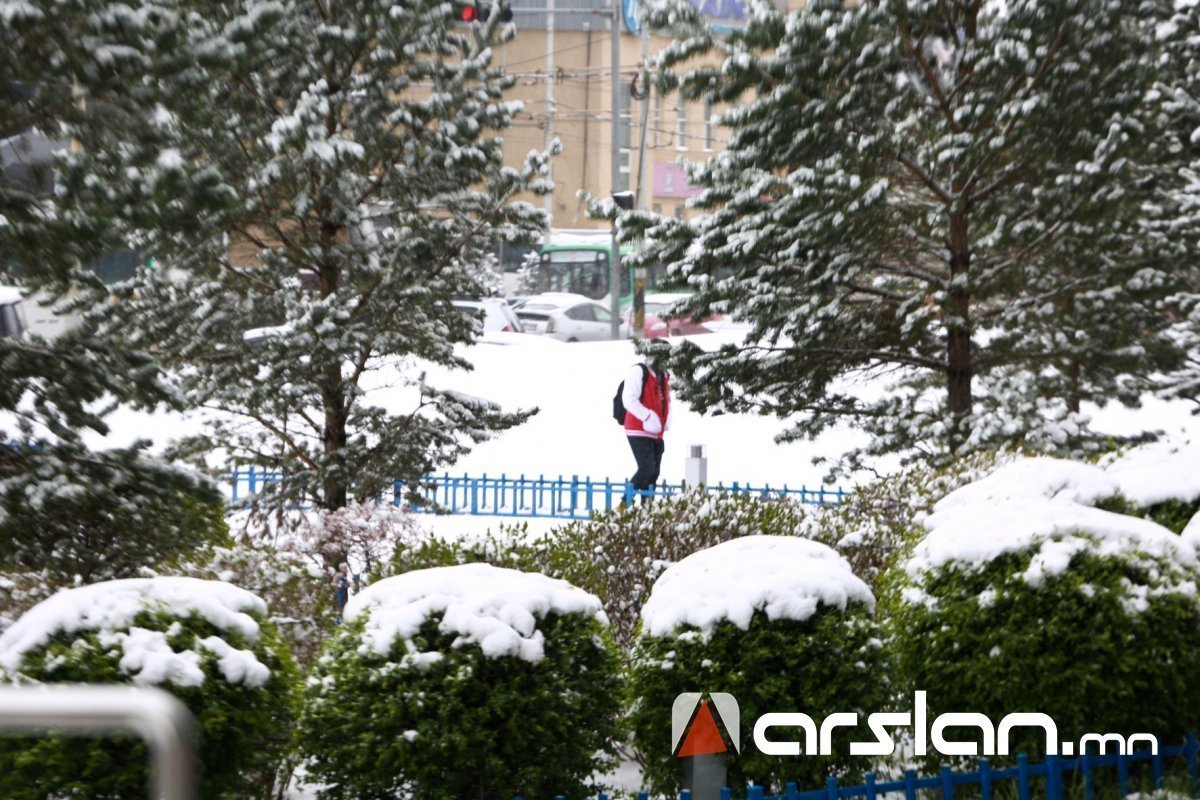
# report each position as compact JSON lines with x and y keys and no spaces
{"x":647,"y":401}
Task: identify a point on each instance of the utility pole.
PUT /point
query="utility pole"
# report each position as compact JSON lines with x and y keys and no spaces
{"x":549,"y":199}
{"x":639,"y":274}
{"x":614,"y":271}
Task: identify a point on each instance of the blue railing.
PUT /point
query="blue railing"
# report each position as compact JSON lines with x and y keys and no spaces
{"x":1049,"y":773}
{"x":522,"y":496}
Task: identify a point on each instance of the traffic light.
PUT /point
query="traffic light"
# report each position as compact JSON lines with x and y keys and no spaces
{"x":471,"y":12}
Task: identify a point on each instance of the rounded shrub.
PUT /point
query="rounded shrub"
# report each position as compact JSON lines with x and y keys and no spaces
{"x":205,"y":642}
{"x":1025,"y":597}
{"x":618,"y":554}
{"x":779,"y":622}
{"x":463,"y":681}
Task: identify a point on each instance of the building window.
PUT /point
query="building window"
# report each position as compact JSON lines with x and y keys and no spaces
{"x":708,"y":124}
{"x":681,"y":123}
{"x":656,"y":208}
{"x":679,"y":211}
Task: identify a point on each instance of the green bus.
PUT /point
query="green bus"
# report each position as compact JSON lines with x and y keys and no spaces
{"x":579,"y":263}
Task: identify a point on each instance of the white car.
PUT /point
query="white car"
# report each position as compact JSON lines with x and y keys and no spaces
{"x":497,"y":314}
{"x":12,"y":313}
{"x":568,"y":318}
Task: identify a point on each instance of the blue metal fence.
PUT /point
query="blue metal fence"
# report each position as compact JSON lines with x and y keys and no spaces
{"x":1049,"y":775}
{"x":524,"y":496}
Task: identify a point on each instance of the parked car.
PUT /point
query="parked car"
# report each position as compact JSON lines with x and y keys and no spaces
{"x":497,"y":313}
{"x":12,"y":313}
{"x":658,"y":306}
{"x":568,"y":318}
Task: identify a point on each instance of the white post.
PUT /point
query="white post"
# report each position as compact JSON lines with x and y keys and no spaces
{"x":695,"y":466}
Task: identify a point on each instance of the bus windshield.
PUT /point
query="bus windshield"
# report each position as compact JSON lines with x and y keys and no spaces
{"x":582,"y":272}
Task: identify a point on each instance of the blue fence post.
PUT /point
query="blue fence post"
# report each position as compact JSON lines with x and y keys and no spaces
{"x":910,"y":784}
{"x":474,"y":497}
{"x":1089,"y":782}
{"x":602,"y":796}
{"x":1122,"y":774}
{"x":831,"y":787}
{"x":252,"y":482}
{"x":870,"y":786}
{"x":1192,"y":753}
{"x":1156,"y":762}
{"x":790,"y":791}
{"x":1054,"y":790}
{"x":643,"y":796}
{"x":726,"y":793}
{"x":947,"y":783}
{"x":1023,"y":776}
{"x":684,"y":794}
{"x":754,"y":793}
{"x":985,"y":779}
{"x":233,"y":495}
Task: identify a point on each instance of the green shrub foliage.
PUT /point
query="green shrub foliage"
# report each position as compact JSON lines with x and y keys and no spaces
{"x":435,"y":711}
{"x":237,"y":680}
{"x":1027,"y":604}
{"x":828,"y":661}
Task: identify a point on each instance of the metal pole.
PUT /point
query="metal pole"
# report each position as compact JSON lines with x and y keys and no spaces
{"x":548,"y":200}
{"x":154,"y":715}
{"x":614,"y":269}
{"x":643,"y":200}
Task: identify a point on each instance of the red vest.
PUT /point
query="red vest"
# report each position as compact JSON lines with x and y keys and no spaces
{"x":656,"y":396}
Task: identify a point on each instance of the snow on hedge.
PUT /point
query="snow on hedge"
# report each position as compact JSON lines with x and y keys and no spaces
{"x":784,"y":576}
{"x":1040,"y":503}
{"x":1157,"y":472}
{"x":492,"y":607}
{"x":110,"y":609}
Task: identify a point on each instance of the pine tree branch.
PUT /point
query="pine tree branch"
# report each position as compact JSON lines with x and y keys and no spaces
{"x":931,"y":80}
{"x":926,"y":179}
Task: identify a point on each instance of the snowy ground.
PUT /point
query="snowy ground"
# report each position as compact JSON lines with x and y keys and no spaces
{"x":574,"y":433}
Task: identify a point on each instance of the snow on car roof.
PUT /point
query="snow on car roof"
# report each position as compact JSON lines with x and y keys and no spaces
{"x":555,"y":300}
{"x":9,"y":295}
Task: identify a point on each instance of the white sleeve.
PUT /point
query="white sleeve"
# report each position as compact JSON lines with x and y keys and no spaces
{"x":632,"y":396}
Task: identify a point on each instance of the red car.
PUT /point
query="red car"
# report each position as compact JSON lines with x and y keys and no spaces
{"x":658,"y":306}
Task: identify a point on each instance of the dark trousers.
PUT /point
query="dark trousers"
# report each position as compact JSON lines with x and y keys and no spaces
{"x":648,"y":454}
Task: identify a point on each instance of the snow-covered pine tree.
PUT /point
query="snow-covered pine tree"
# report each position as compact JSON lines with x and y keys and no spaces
{"x":955,"y":194}
{"x":68,"y":511}
{"x":1181,"y":91}
{"x":330,"y":170}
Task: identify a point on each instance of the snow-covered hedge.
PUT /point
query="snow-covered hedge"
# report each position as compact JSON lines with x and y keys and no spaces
{"x":778,"y":621}
{"x":463,"y":681}
{"x":1158,"y":481}
{"x":1025,"y":596}
{"x":618,"y":555}
{"x":206,"y":642}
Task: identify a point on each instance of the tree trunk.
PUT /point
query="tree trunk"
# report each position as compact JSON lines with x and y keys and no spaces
{"x":959,"y":367}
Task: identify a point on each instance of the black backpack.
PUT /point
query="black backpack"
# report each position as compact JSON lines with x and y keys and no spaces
{"x":618,"y":403}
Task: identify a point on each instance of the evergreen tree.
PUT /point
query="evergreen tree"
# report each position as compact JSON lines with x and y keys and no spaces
{"x":962,"y":195}
{"x":68,"y":510}
{"x":1181,"y":92}
{"x":329,"y":170}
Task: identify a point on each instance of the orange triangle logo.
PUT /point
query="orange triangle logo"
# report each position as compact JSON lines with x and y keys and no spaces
{"x":703,"y":738}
